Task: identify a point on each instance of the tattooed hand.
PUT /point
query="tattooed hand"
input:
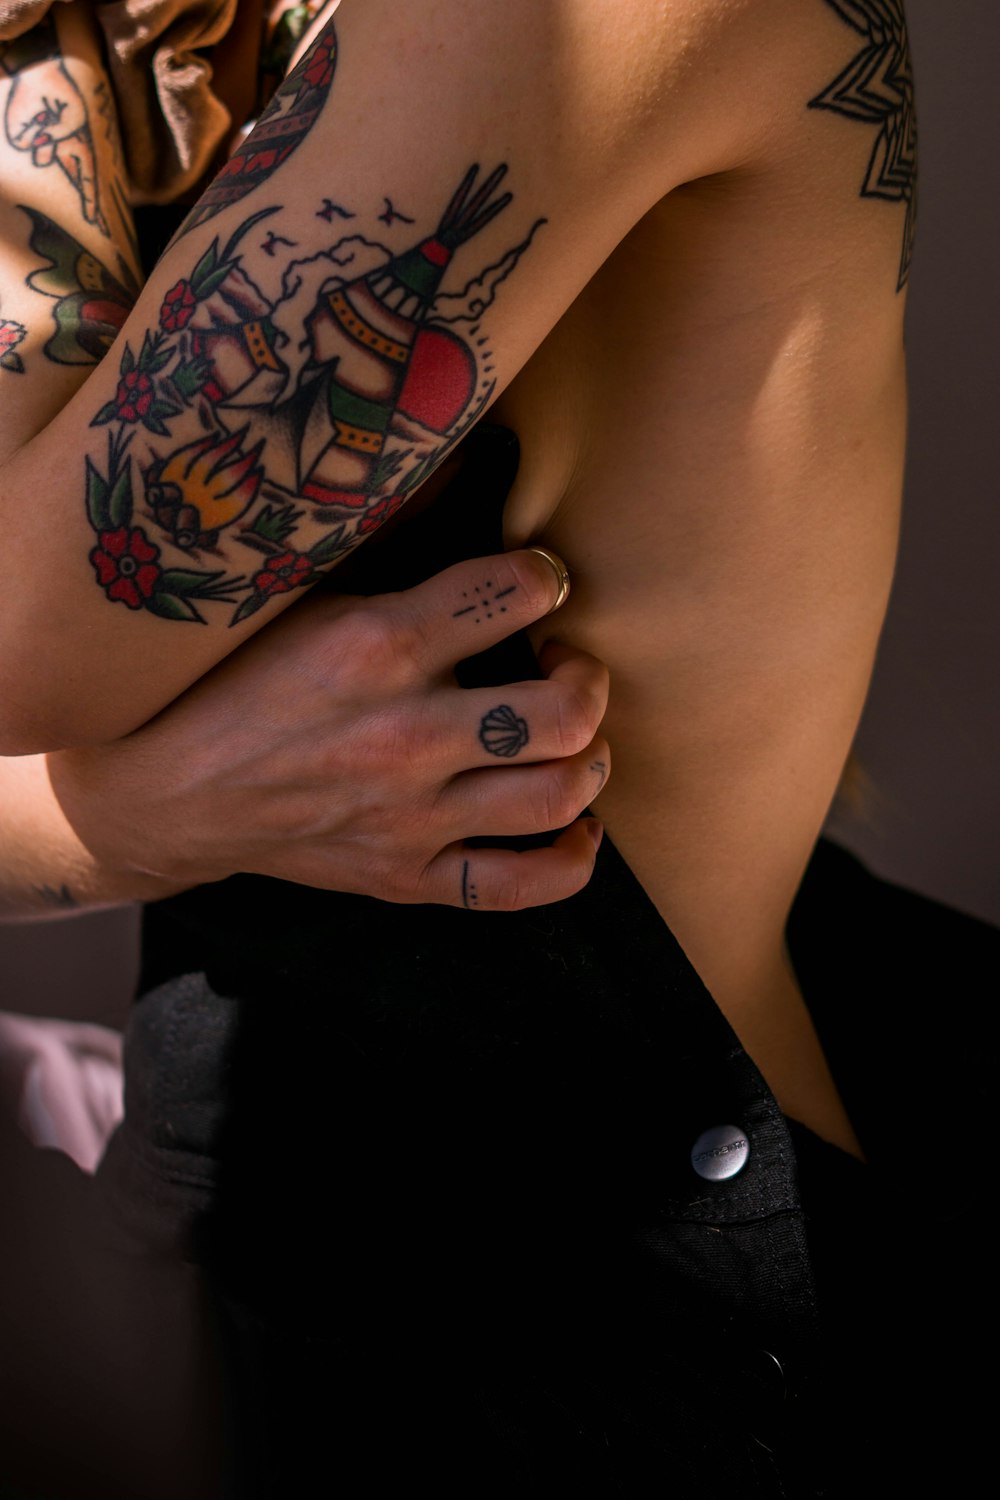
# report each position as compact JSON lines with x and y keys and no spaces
{"x":46,"y":116}
{"x":337,"y":750}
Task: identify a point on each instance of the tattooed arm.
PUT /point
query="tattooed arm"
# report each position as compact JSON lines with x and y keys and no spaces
{"x":368,"y":780}
{"x":366,"y":274}
{"x":68,"y":265}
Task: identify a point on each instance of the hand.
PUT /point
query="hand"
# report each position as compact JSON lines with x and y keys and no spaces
{"x":46,"y":115}
{"x":336,"y":749}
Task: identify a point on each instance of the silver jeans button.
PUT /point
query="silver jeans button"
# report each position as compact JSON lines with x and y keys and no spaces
{"x":720,"y":1152}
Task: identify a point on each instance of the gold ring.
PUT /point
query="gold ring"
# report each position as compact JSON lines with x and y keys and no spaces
{"x":561,"y":571}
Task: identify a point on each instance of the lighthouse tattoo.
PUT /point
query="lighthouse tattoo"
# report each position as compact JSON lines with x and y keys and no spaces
{"x":255,"y":438}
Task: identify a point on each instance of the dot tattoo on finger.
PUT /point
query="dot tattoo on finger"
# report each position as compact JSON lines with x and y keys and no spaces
{"x":470,"y":896}
{"x":484,"y":601}
{"x":501,"y":732}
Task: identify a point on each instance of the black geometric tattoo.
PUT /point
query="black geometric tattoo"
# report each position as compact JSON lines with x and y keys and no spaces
{"x":470,"y":897}
{"x":876,"y":88}
{"x":484,"y":604}
{"x":502,"y":732}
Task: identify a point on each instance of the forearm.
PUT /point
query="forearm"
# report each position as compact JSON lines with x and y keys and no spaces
{"x":45,"y":868}
{"x":68,"y":266}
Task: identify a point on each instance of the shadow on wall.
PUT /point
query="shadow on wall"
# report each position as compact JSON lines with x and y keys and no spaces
{"x":83,"y":967}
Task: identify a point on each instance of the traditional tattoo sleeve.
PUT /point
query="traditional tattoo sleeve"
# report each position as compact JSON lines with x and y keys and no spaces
{"x":876,"y":88}
{"x":91,"y":304}
{"x":61,"y":182}
{"x":47,"y":118}
{"x":285,"y":122}
{"x":267,"y":425}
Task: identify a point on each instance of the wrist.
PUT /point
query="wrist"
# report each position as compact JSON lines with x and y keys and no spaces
{"x":117,"y":857}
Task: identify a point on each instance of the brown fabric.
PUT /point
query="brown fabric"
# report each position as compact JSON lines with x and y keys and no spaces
{"x":171,"y":120}
{"x":18,"y":16}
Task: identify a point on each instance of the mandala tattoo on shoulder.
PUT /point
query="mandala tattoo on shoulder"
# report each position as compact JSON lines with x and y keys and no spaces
{"x":876,"y":88}
{"x":293,"y":425}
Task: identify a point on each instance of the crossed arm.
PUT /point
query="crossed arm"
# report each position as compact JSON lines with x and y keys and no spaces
{"x":422,"y":200}
{"x":154,"y":812}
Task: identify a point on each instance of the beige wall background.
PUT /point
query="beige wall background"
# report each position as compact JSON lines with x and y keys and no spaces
{"x":930,"y":738}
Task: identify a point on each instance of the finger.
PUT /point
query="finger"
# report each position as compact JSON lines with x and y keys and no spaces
{"x":530,"y":799}
{"x":465,"y":728}
{"x":505,"y":880}
{"x":469,"y":607}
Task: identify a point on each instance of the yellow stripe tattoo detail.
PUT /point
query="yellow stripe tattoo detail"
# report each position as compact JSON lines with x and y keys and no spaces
{"x":361,"y":439}
{"x":258,"y":348}
{"x":364,"y":333}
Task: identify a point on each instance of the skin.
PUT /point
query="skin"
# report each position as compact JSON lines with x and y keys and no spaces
{"x":152,"y":813}
{"x":655,"y":340}
{"x":369,"y":779}
{"x":702,"y":356}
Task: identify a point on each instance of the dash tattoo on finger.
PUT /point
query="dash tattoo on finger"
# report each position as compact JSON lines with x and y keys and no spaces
{"x":484,"y":601}
{"x":599,"y":767}
{"x":501,"y":732}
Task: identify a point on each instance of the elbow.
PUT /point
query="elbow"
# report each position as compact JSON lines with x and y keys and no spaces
{"x":23,"y":728}
{"x":26,"y":733}
{"x":34,"y":721}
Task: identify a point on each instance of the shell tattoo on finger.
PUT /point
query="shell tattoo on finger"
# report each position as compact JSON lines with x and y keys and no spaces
{"x":501,"y":732}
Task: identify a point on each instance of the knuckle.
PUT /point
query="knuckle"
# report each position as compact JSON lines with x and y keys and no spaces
{"x":376,"y":643}
{"x":387,"y":875}
{"x":559,"y":800}
{"x":515,"y":893}
{"x":576,"y":719}
{"x":534,"y":582}
{"x":393,"y":744}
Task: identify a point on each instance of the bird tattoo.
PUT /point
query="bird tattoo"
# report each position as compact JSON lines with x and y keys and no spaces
{"x":390,"y":214}
{"x":268,"y":245}
{"x":331,"y":209}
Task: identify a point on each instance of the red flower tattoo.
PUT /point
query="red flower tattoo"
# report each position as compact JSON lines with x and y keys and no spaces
{"x":377,"y":514}
{"x":178,"y":305}
{"x":134,"y":396}
{"x":319,"y":71}
{"x":11,"y":334}
{"x":289,"y":571}
{"x":125,"y":564}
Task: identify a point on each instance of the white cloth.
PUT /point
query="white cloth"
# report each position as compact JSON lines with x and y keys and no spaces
{"x":62,"y":1081}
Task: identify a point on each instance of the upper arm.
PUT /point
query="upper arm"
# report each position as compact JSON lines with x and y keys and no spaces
{"x":428,"y":193}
